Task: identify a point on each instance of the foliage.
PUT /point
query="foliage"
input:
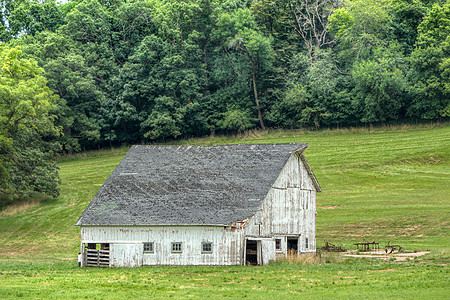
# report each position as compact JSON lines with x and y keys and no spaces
{"x":380,"y":87}
{"x":25,"y":99}
{"x":150,"y":70}
{"x":236,"y":120}
{"x":431,"y":65}
{"x":26,"y":126}
{"x":34,"y":167}
{"x":361,"y":26}
{"x":19,"y":17}
{"x":239,"y":31}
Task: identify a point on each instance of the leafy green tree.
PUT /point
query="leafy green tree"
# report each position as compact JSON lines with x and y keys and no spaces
{"x":236,"y":120}
{"x":361,"y":26}
{"x":164,"y":120}
{"x":105,"y":35}
{"x":26,"y":105}
{"x":431,"y":66}
{"x":72,"y":79}
{"x":316,"y":94}
{"x":380,"y":91}
{"x":19,"y":17}
{"x":25,"y":98}
{"x":239,"y":31}
{"x":406,"y":17}
{"x":156,"y":72}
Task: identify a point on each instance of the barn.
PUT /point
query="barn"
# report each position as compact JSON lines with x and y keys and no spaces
{"x":202,"y":205}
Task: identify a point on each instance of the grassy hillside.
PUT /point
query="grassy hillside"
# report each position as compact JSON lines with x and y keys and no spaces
{"x":387,"y":184}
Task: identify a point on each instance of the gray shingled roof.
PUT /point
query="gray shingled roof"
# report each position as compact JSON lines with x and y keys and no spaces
{"x":188,"y":185}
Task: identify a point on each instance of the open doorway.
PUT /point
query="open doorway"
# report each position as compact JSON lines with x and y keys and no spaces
{"x":251,"y":253}
{"x":292,"y":245}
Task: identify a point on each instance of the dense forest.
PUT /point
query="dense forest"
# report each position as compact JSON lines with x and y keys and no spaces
{"x":79,"y":75}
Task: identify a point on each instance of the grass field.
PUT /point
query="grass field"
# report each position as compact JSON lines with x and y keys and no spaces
{"x":384,"y":184}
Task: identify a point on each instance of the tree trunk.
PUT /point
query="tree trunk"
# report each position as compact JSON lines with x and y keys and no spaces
{"x":255,"y":92}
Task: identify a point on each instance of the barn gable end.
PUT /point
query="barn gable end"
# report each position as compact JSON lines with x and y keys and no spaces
{"x":288,"y":211}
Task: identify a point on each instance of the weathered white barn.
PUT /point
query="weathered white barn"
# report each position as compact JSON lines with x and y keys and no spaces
{"x":202,"y":205}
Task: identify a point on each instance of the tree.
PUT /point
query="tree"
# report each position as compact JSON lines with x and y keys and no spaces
{"x":431,"y":66}
{"x":316,"y":94}
{"x":380,"y":87}
{"x":361,"y":27}
{"x":236,"y":120}
{"x":26,"y":121}
{"x":241,"y":32}
{"x":20,"y":17}
{"x":311,"y":22}
{"x":25,"y":99}
{"x":70,"y":76}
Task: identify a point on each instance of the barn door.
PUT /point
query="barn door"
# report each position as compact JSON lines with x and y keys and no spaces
{"x":259,"y":252}
{"x":253,"y":255}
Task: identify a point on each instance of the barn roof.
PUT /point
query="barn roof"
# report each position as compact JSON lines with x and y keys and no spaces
{"x":188,"y":185}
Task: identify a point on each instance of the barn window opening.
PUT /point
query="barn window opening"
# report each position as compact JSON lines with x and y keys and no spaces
{"x":277,"y":244}
{"x":97,"y":246}
{"x":92,"y":246}
{"x":306,"y":243}
{"x":176,"y":247}
{"x":148,"y":247}
{"x":207,"y":247}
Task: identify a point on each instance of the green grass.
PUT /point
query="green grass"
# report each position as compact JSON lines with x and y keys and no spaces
{"x":351,"y":279}
{"x":383,"y":184}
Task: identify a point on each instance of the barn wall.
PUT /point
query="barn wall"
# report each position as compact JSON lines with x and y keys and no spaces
{"x":127,"y":248}
{"x":289,"y":209}
{"x":126,"y":255}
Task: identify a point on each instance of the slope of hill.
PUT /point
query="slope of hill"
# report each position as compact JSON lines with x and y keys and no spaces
{"x":387,"y":184}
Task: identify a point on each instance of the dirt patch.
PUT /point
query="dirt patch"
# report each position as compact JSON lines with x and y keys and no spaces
{"x":415,"y":254}
{"x":382,"y":255}
{"x":382,"y":271}
{"x":327,"y":207}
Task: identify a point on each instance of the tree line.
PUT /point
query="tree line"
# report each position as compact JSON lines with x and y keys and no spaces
{"x":95,"y":73}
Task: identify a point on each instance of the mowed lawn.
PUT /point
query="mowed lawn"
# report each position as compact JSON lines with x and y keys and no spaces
{"x":385,"y":184}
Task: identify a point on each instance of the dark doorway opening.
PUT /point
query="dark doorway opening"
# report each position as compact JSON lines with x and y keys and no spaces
{"x":251,"y":253}
{"x":292,"y":244}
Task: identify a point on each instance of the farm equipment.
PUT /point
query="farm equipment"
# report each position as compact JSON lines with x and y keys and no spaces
{"x":392,"y":248}
{"x":332,"y":248}
{"x":367,"y":246}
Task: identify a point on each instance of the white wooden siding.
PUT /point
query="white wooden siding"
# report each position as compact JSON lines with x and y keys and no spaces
{"x":268,"y":250}
{"x":126,"y":255}
{"x":289,"y":209}
{"x":127,"y":244}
